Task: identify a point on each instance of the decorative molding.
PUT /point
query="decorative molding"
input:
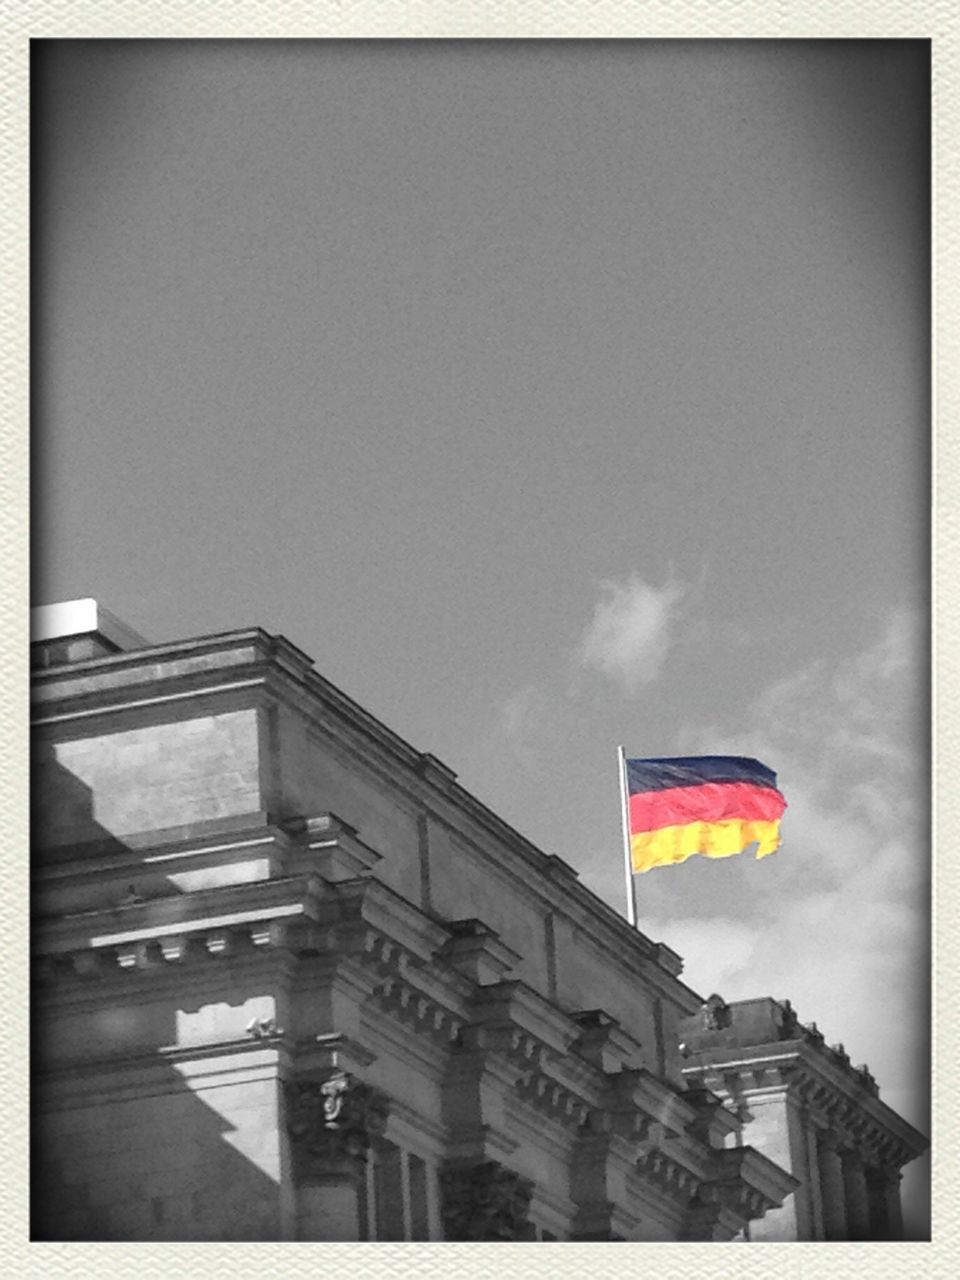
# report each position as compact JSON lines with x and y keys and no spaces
{"x":419,"y":1012}
{"x":169,"y":950}
{"x":835,"y":1097}
{"x":668,"y":1175}
{"x":507,"y":1040}
{"x":552,"y":1099}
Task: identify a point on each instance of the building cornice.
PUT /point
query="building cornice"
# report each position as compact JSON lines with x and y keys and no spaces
{"x":837,"y":1096}
{"x":259,"y":666}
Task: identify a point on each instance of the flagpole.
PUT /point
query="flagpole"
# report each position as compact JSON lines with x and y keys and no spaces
{"x":625,"y":821}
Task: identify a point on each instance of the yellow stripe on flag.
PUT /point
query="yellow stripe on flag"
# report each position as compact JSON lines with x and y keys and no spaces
{"x":667,"y":845}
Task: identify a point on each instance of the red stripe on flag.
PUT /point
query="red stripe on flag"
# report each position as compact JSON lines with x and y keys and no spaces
{"x":709,"y":802}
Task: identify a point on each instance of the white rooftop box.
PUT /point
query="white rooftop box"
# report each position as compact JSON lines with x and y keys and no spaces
{"x":73,"y":618}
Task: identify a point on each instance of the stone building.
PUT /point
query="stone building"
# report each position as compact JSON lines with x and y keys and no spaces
{"x":809,"y":1110}
{"x":292,"y":982}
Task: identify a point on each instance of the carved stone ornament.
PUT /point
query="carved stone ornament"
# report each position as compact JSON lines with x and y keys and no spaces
{"x":484,"y":1201}
{"x":716,"y":1014}
{"x":789,"y":1023}
{"x":332,"y":1121}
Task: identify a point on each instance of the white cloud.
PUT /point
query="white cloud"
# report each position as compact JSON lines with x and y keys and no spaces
{"x":523,"y":724}
{"x":716,"y":952}
{"x":839,"y":919}
{"x":632,"y":631}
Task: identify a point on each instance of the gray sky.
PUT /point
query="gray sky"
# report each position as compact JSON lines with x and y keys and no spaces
{"x":551,"y":396}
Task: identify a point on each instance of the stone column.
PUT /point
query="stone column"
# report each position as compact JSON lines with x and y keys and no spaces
{"x":892,"y":1198}
{"x":809,"y":1174}
{"x":331,"y":1123}
{"x":589,"y":1187}
{"x":328,"y":1206}
{"x":832,"y":1190}
{"x":855,"y":1197}
{"x":883,"y":1189}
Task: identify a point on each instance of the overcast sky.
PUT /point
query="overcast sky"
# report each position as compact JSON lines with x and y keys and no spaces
{"x":551,"y":396}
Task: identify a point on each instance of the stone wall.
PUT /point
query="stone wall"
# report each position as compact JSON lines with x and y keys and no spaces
{"x":146,"y":778}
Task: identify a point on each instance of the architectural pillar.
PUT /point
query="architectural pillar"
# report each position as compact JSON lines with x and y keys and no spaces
{"x":331,"y":1123}
{"x":589,"y":1188}
{"x":883,"y":1190}
{"x":832,"y":1190}
{"x":856,"y":1203}
{"x":891,"y":1188}
{"x":328,"y":1208}
{"x":812,"y":1228}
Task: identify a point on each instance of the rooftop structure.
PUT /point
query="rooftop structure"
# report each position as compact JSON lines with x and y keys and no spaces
{"x":75,"y":630}
{"x":809,"y":1109}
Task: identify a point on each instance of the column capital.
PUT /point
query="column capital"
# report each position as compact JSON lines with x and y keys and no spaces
{"x":484,"y":1200}
{"x":331,"y":1122}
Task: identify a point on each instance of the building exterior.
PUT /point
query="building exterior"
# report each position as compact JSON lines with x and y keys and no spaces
{"x":809,"y":1110}
{"x":294,"y":983}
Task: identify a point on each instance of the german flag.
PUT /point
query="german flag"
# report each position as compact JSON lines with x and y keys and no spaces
{"x":714,"y":805}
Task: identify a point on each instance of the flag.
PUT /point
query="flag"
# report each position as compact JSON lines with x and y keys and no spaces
{"x":714,"y":805}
